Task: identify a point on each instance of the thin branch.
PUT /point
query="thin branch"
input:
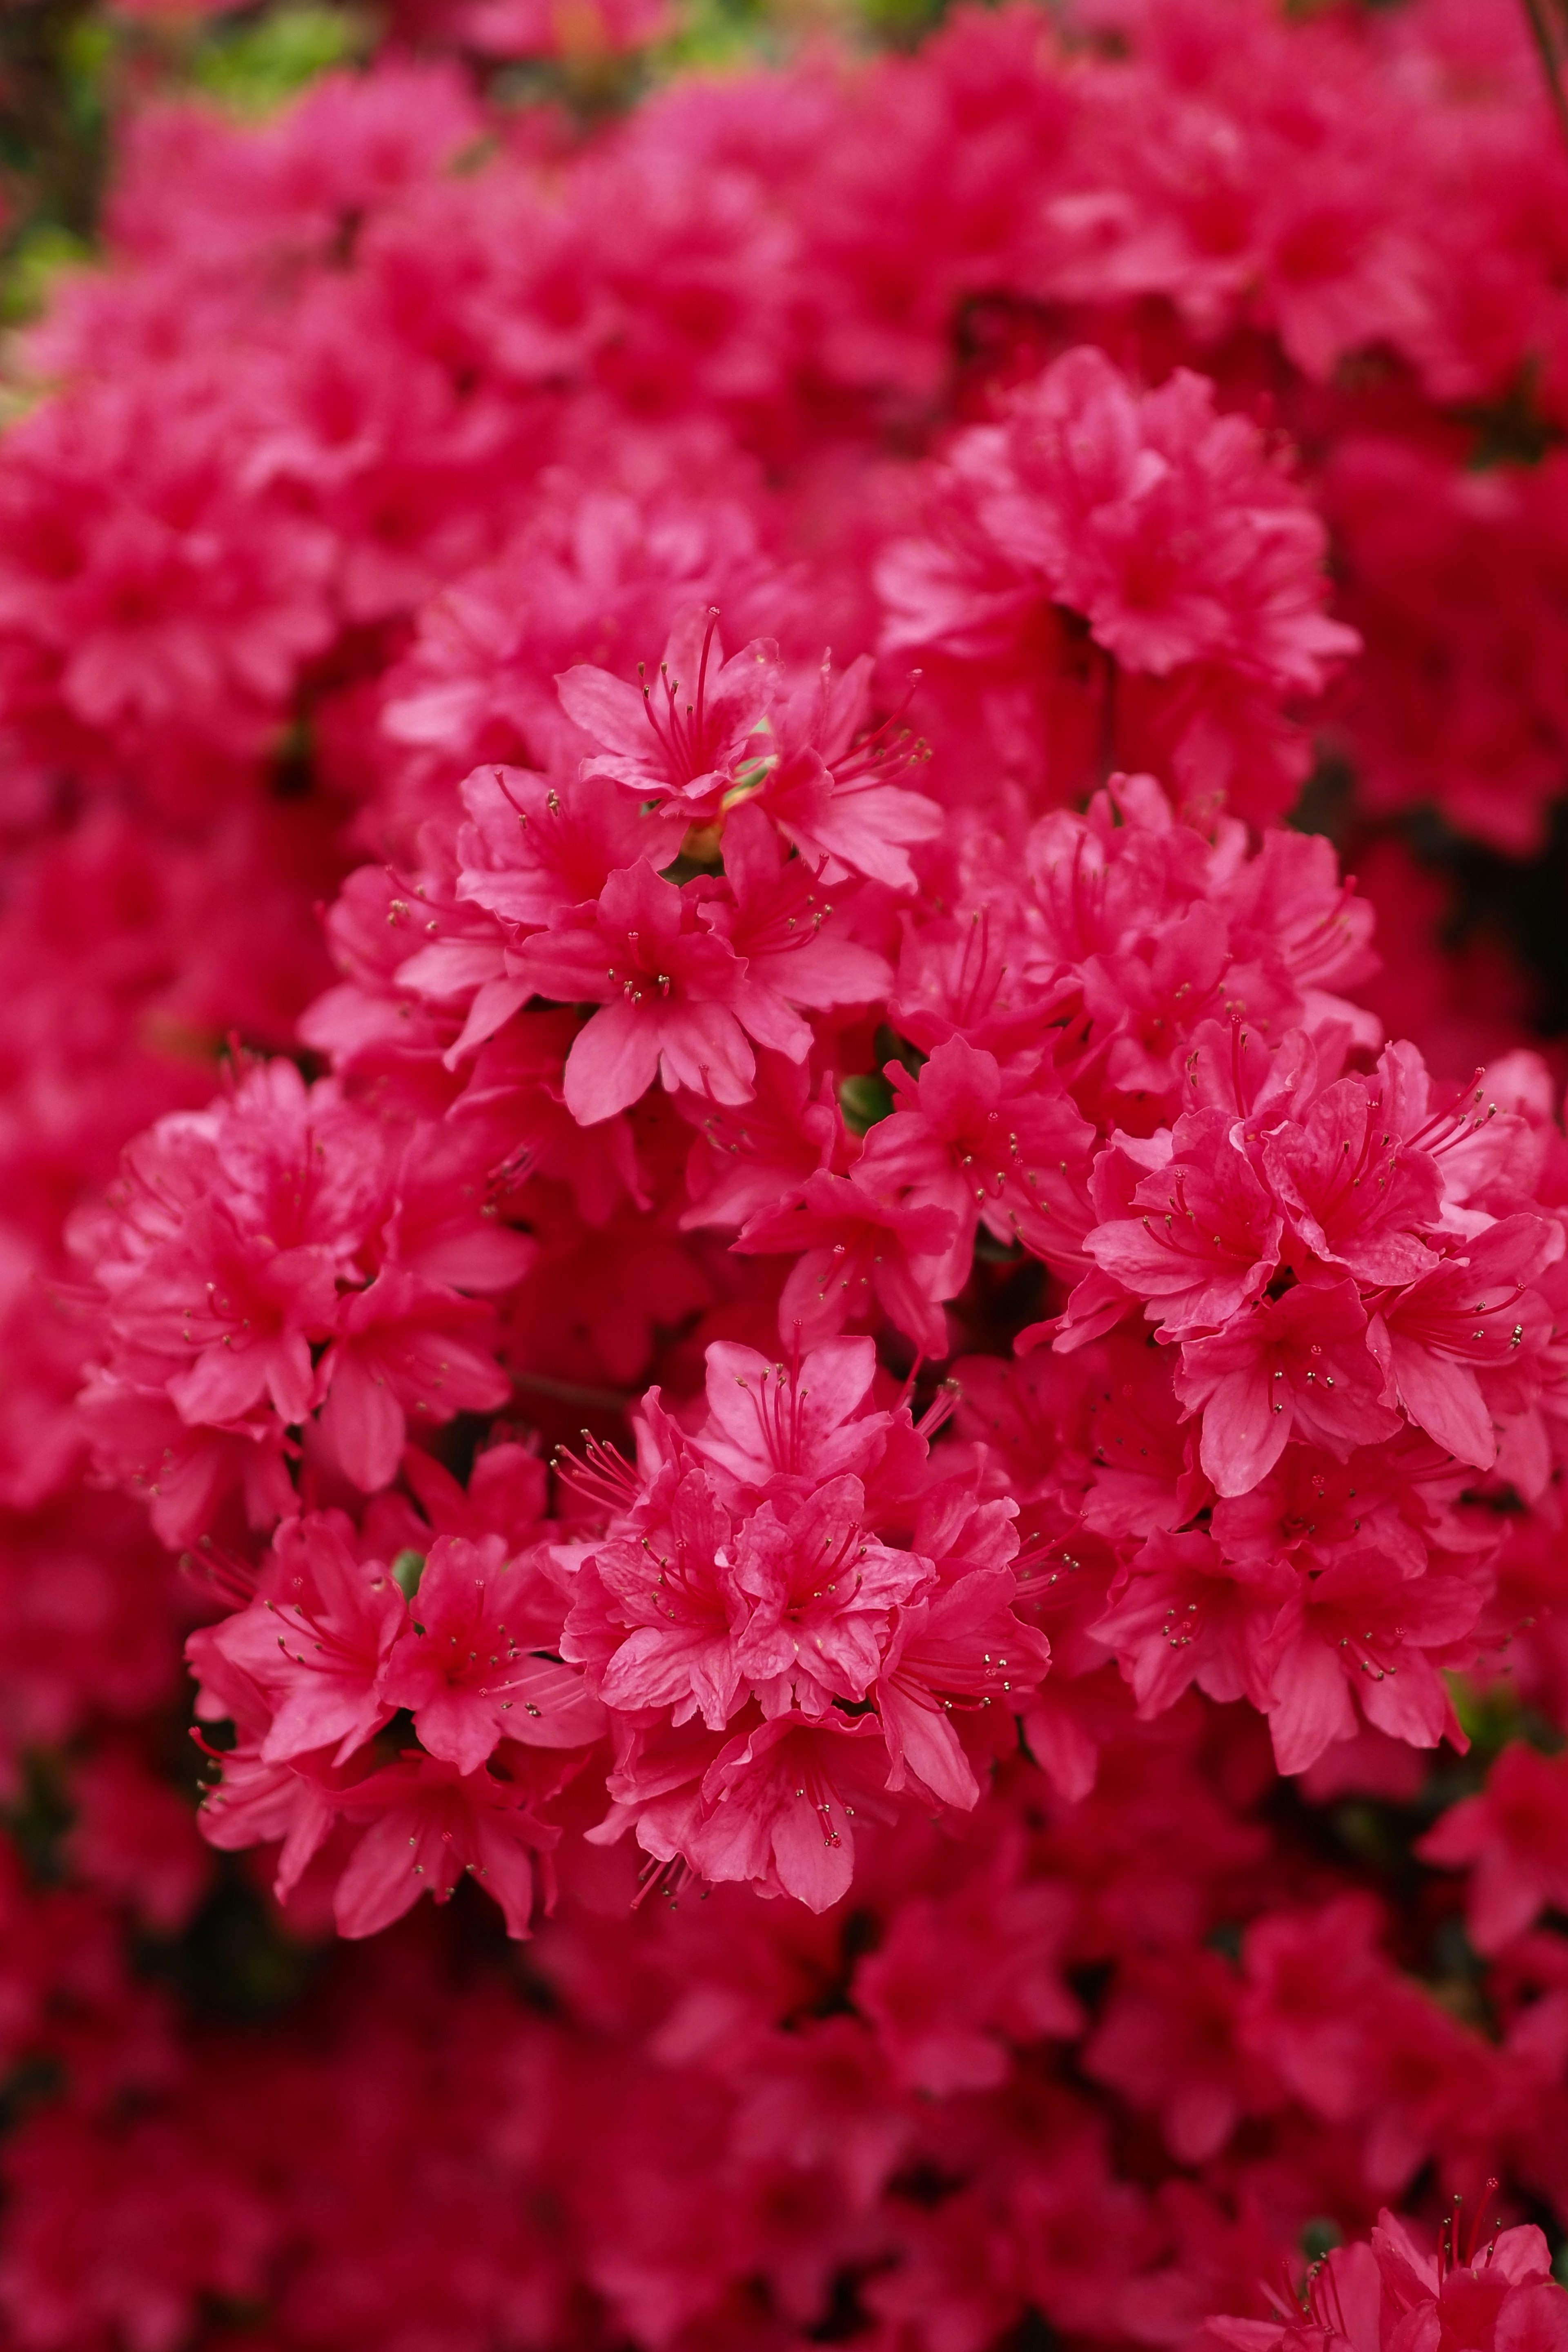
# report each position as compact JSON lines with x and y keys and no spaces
{"x":574,"y":1392}
{"x":1546,"y":50}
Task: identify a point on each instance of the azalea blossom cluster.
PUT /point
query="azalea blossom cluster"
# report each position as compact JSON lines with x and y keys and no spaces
{"x":708,"y":1217}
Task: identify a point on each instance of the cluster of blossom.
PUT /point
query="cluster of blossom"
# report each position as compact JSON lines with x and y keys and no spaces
{"x":644,"y":775}
{"x":1098,"y":2066}
{"x":300,"y":1273}
{"x":283,"y":424}
{"x":1394,"y":2292}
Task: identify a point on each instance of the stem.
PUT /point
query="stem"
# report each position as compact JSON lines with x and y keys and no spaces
{"x":1546,"y":50}
{"x":574,"y":1392}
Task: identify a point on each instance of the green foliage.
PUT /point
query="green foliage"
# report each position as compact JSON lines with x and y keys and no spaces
{"x":256,"y":63}
{"x":39,"y":1813}
{"x":235,"y":1963}
{"x":1319,"y":2237}
{"x":42,"y":250}
{"x":1491,"y":1715}
{"x":406,"y":1571}
{"x":864,"y":1101}
{"x":714,"y":35}
{"x":55,"y":66}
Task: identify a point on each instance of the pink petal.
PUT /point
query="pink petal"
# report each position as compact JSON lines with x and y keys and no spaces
{"x":613,"y":1063}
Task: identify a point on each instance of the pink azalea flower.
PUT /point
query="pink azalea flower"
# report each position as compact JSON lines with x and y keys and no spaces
{"x":688,"y":737}
{"x":953,"y":1652}
{"x":430,"y":1826}
{"x":992,"y":1149}
{"x":956,"y":1978}
{"x":1358,"y":1195}
{"x":1358,"y":1626}
{"x":808,"y":1421}
{"x":675,"y":1001}
{"x":316,"y":1644}
{"x":534,"y":848}
{"x":1297,"y":1365}
{"x":245,"y":1309}
{"x":656,"y":1618}
{"x":1339,"y":2312}
{"x":1182,"y":1613}
{"x":823,"y":1591}
{"x":860,"y":1253}
{"x":1505,"y":2293}
{"x":463,"y":1670}
{"x":779,"y":918}
{"x":748,"y":1157}
{"x":1514,"y":1838}
{"x":1201,"y":1237}
{"x":1168,"y":2041}
{"x":1471,"y":1317}
{"x":831,"y":792}
{"x":779,"y":1804}
{"x":405,"y":1347}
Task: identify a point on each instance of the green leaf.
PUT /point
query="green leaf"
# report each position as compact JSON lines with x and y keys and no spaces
{"x":256,"y":66}
{"x":864,"y":1101}
{"x":32,"y":268}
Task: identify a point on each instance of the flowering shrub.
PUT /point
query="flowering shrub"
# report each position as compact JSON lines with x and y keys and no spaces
{"x":714,"y":1212}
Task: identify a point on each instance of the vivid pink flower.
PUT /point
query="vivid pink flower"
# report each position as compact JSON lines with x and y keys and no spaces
{"x":747,"y":1157}
{"x":1474,"y":1315}
{"x":676,"y":1002}
{"x":656,"y":1617}
{"x":831,"y":791}
{"x":687,"y":737}
{"x":954,"y":1653}
{"x":515,"y":1102}
{"x":941,"y":1964}
{"x":1181,"y":1611}
{"x":1391,"y":2297}
{"x":187,"y":1474}
{"x":1359,"y":1196}
{"x":1168,"y":2041}
{"x":1514,"y":1838}
{"x":135,"y":1839}
{"x":1195,"y":562}
{"x":780,"y":919}
{"x":315,"y":1643}
{"x":535,"y":847}
{"x":957,"y":1977}
{"x":1201,"y":1237}
{"x":860,"y":1254}
{"x":1003,"y":1151}
{"x":1299,"y":1365}
{"x":462,"y":1670}
{"x":245,"y":1310}
{"x":1505,"y":2293}
{"x":823,"y":1590}
{"x":1358,"y":1626}
{"x":821,"y":2099}
{"x":430,"y":1825}
{"x":505,"y":1496}
{"x":1339,"y":2312}
{"x":406,"y":1348}
{"x":780,"y":1803}
{"x":806,"y":1421}
{"x":1307,"y":1978}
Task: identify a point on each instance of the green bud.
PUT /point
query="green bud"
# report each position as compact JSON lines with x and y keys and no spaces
{"x":406,"y":1571}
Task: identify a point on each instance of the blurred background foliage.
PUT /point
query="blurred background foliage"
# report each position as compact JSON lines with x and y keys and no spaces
{"x":69,"y":68}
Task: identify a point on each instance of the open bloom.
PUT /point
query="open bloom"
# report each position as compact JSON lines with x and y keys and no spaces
{"x":676,"y":1002}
